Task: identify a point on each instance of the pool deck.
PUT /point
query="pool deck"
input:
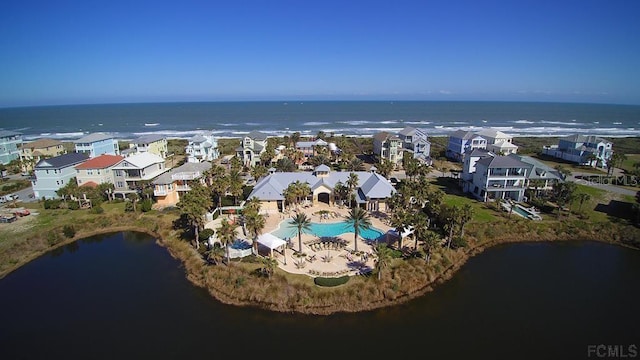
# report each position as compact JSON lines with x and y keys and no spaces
{"x":329,"y":260}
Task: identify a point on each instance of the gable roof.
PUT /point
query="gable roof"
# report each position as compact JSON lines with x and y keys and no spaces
{"x":538,"y":170}
{"x":462,"y":134}
{"x":147,"y":139}
{"x":142,"y":160}
{"x":100,"y":162}
{"x":8,"y":133}
{"x":502,"y":162}
{"x":272,"y":186}
{"x":407,"y":131}
{"x":41,"y":143}
{"x":167,"y":177}
{"x":95,"y":137}
{"x":61,"y":161}
{"x":257,"y":135}
{"x":492,"y":133}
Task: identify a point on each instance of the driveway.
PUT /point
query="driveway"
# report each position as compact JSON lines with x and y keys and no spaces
{"x":601,"y":182}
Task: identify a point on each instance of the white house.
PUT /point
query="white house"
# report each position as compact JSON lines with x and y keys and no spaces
{"x":202,"y":147}
{"x":415,"y":140}
{"x":498,"y":142}
{"x":497,"y":176}
{"x":582,"y":149}
{"x":251,"y":146}
{"x":133,"y":172}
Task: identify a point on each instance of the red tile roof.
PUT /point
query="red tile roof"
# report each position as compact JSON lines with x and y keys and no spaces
{"x":100,"y":162}
{"x":90,"y":184}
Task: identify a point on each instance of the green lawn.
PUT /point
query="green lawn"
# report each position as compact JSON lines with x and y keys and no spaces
{"x":627,"y":165}
{"x":481,"y":213}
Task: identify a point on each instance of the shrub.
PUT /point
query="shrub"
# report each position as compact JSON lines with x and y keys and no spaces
{"x":205,"y":234}
{"x":128,"y":207}
{"x":52,"y":203}
{"x":97,"y":210}
{"x":73,"y":205}
{"x":53,"y":238}
{"x":329,"y":282}
{"x":458,"y":242}
{"x":69,"y":231}
{"x":146,"y":205}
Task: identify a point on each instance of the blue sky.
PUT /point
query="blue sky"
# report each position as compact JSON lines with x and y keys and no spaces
{"x":69,"y":52}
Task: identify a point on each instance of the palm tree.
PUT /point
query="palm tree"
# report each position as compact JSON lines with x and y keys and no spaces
{"x":616,"y":160}
{"x":235,"y":185}
{"x":255,"y":223}
{"x":215,"y":254}
{"x":194,"y":204}
{"x":582,"y":198}
{"x":134,"y":197}
{"x":269,"y":265}
{"x":301,"y":223}
{"x":226,"y":233}
{"x":358,"y":219}
{"x":383,"y":261}
{"x":219,"y":182}
{"x":385,"y":167}
{"x":352,"y":184}
{"x":466,"y":214}
{"x":429,"y":241}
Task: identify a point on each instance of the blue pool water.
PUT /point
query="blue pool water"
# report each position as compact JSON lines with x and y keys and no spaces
{"x":288,"y":230}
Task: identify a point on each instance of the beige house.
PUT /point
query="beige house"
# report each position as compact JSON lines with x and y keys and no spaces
{"x":170,"y":186}
{"x":32,"y":152}
{"x":155,"y":144}
{"x":97,"y":170}
{"x":388,"y":146}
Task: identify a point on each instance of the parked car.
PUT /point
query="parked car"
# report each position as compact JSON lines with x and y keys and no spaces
{"x":9,"y":218}
{"x":21,"y":212}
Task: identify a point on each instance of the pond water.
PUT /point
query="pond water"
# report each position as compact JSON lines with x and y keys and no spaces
{"x":120,"y":296}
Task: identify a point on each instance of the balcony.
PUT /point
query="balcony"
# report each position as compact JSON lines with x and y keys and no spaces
{"x":160,"y":192}
{"x":183,"y":187}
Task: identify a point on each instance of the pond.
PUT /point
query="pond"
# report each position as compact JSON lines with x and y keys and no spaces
{"x":121,"y":296}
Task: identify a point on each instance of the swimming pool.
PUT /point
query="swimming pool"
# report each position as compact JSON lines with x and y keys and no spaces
{"x":288,"y":230}
{"x":520,"y":210}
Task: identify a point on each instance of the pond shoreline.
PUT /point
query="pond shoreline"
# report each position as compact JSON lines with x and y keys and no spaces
{"x":239,"y":286}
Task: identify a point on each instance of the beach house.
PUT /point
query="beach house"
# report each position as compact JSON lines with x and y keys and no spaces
{"x":310,"y":148}
{"x":168,"y":187}
{"x":415,"y":141}
{"x":540,"y":177}
{"x":371,"y":193}
{"x":34,"y":151}
{"x":133,"y":173}
{"x":51,"y":174}
{"x":251,"y":146}
{"x":582,"y":149}
{"x":496,"y":176}
{"x":153,"y":143}
{"x":498,"y":142}
{"x":460,"y":141}
{"x":202,"y":147}
{"x":97,"y":144}
{"x":10,"y":143}
{"x":388,"y":146}
{"x":97,"y":170}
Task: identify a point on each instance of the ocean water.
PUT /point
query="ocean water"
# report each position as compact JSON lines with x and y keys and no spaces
{"x":362,"y":118}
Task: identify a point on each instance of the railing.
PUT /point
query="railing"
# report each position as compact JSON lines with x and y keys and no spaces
{"x":186,"y":176}
{"x":162,"y":192}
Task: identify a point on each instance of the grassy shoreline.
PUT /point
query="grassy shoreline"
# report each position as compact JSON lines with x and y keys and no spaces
{"x":240,"y":284}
